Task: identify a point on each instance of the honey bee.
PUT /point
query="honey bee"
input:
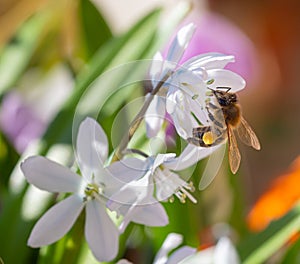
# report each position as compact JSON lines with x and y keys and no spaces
{"x":206,"y":136}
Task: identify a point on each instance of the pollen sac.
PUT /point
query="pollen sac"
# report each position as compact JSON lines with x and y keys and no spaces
{"x":208,"y":138}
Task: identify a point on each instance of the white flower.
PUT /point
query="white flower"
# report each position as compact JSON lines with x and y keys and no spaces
{"x":223,"y":253}
{"x":189,"y":85}
{"x":159,"y":68}
{"x":89,"y":191}
{"x":184,"y":92}
{"x":172,"y":241}
{"x":135,"y":202}
{"x":138,"y":200}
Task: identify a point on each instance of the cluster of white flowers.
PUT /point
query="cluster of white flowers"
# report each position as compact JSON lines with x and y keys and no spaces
{"x":222,"y":253}
{"x":132,"y":187}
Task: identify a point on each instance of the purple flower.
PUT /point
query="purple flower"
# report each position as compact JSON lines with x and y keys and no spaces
{"x":19,"y":122}
{"x":215,"y":33}
{"x":26,"y":112}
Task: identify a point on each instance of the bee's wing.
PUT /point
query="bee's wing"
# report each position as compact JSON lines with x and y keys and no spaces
{"x":212,"y":166}
{"x":233,"y":151}
{"x":247,"y":135}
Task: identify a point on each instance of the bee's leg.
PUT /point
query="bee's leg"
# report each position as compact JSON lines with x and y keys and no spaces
{"x":212,"y":106}
{"x":212,"y":118}
{"x":197,"y":142}
{"x":220,"y":139}
{"x":199,"y":131}
{"x":218,"y":132}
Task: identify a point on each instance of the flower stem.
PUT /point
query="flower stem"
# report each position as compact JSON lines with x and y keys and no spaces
{"x":134,"y":151}
{"x":119,"y":153}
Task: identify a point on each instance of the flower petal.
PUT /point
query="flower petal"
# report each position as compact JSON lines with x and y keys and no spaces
{"x":197,"y":107}
{"x":56,"y":222}
{"x":172,"y":241}
{"x":49,"y":175}
{"x":92,"y":147}
{"x":167,"y":183}
{"x":156,"y":69}
{"x":128,"y":169}
{"x":162,"y":158}
{"x":124,"y":261}
{"x":134,"y":192}
{"x":177,"y":106}
{"x":226,"y":78}
{"x":225,"y":252}
{"x":180,"y":43}
{"x":190,"y":82}
{"x":201,"y":257}
{"x":209,"y":61}
{"x":189,"y":156}
{"x":155,"y":116}
{"x":152,"y":214}
{"x":100,"y":232}
{"x":119,"y":173}
{"x":181,"y":254}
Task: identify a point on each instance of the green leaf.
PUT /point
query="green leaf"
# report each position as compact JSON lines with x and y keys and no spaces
{"x":15,"y":57}
{"x":94,"y":28}
{"x":292,"y":256}
{"x":14,"y":230}
{"x":259,"y":247}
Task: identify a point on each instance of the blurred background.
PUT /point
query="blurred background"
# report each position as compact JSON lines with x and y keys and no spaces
{"x":268,"y":58}
{"x":40,"y":60}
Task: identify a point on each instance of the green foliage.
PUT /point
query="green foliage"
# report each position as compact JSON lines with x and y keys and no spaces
{"x":95,"y":31}
{"x":292,"y":255}
{"x":259,"y":247}
{"x":16,"y":55}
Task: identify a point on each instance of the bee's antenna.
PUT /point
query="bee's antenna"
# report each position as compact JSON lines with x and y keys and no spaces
{"x":224,"y":87}
{"x":214,"y":91}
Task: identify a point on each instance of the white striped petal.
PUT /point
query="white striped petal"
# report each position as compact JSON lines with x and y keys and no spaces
{"x":201,"y":257}
{"x":172,"y":241}
{"x":134,"y":192}
{"x":155,"y":116}
{"x":225,"y":252}
{"x":160,"y":159}
{"x":56,"y":222}
{"x":156,"y":69}
{"x":167,"y":183}
{"x":50,"y":176}
{"x":209,"y":61}
{"x":226,"y":78}
{"x":92,"y":147}
{"x":177,"y":106}
{"x":151,"y":214}
{"x":100,"y":232}
{"x":180,"y":43}
{"x":189,"y":156}
{"x":180,"y":254}
{"x":127,"y":170}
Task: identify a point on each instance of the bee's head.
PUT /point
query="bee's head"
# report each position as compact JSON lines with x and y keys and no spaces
{"x":225,"y":98}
